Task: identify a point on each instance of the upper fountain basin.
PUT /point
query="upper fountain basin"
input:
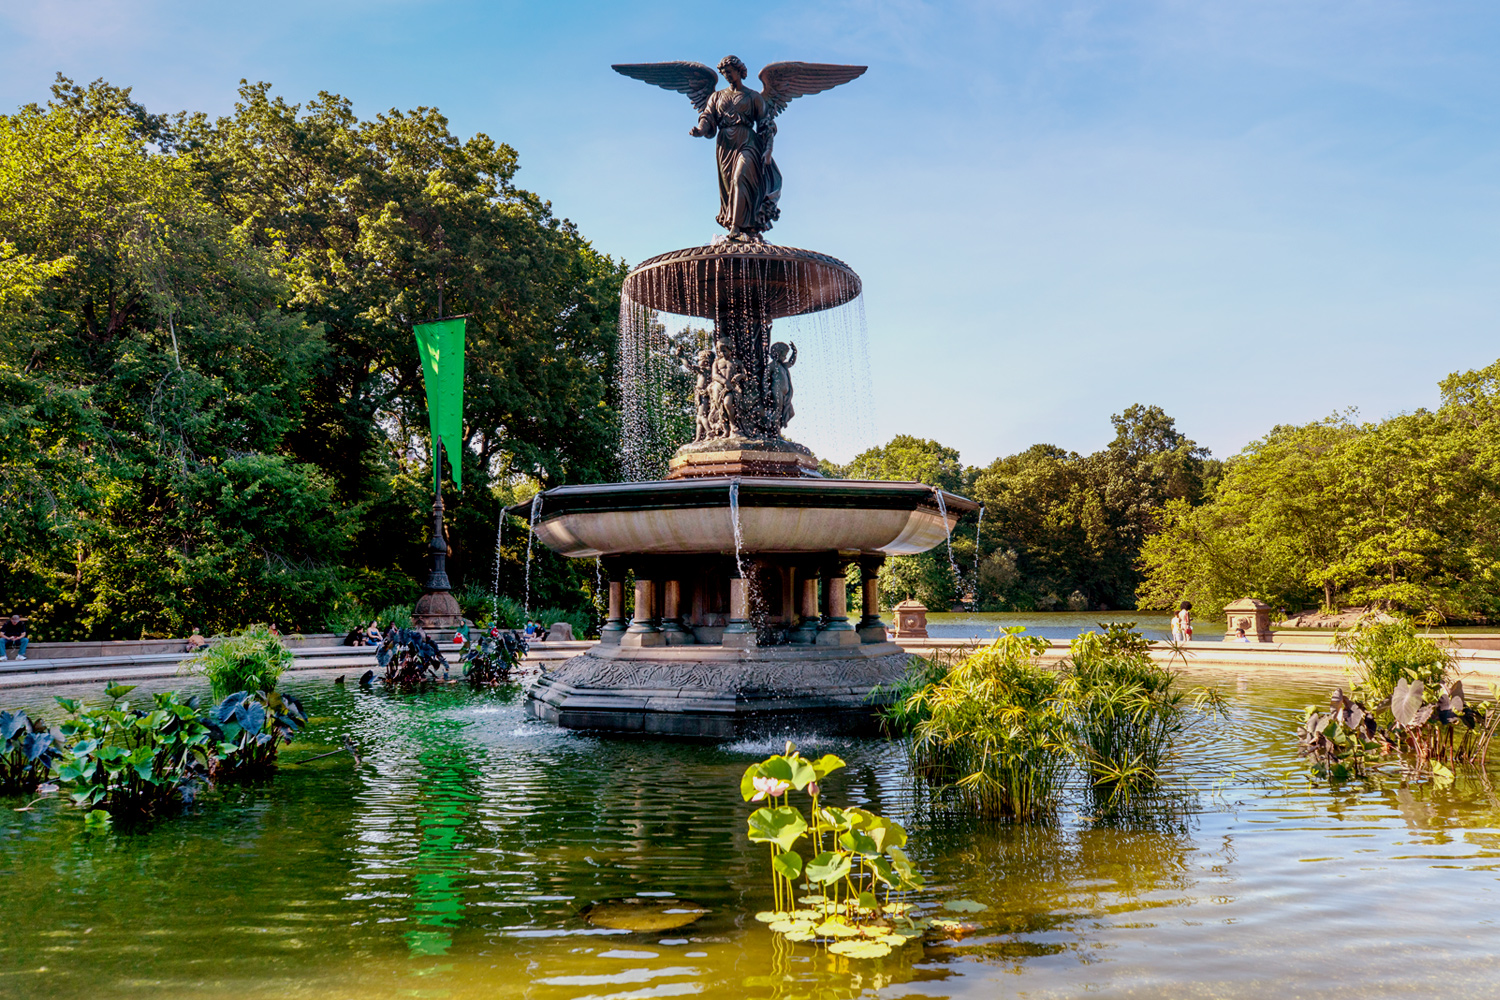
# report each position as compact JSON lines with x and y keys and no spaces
{"x":693,"y":516}
{"x":761,"y":280}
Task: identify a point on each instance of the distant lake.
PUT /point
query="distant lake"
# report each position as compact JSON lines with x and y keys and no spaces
{"x":1062,"y":625}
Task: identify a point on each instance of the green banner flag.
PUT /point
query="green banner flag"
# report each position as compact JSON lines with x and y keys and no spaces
{"x":441,"y":345}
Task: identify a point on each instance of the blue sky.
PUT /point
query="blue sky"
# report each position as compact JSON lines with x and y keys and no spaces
{"x":1247,"y":213}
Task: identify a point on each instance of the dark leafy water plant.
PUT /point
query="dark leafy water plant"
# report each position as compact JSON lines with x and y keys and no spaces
{"x":410,"y":660}
{"x":251,"y":727}
{"x":28,"y":751}
{"x":1417,"y":733}
{"x":131,"y":761}
{"x":249,"y":660}
{"x":494,"y":658}
{"x":854,"y":870}
{"x":1408,"y":712}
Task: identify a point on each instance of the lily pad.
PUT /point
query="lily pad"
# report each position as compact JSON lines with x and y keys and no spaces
{"x":835,"y":929}
{"x":647,"y":915}
{"x":964,"y":906}
{"x":767,"y":916}
{"x":860,"y":949}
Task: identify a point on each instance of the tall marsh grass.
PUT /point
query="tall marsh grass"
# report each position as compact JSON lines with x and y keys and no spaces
{"x":250,"y":660}
{"x":999,"y":734}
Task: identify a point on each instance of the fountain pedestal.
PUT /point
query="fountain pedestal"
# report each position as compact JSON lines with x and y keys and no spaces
{"x":739,"y":555}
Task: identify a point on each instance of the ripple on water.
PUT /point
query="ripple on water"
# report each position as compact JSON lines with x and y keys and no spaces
{"x":464,"y":850}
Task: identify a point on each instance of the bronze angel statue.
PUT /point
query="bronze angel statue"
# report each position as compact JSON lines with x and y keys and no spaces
{"x":744,"y":121}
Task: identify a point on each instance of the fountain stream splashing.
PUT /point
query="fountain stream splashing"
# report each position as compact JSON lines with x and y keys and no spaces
{"x":495,"y":578}
{"x":948,"y":531}
{"x":974,"y":585}
{"x":734,"y":513}
{"x":536,"y":508}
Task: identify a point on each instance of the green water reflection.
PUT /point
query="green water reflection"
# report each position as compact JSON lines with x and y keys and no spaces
{"x":454,"y":863}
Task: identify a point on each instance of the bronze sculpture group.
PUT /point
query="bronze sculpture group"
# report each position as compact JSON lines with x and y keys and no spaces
{"x":720,"y":391}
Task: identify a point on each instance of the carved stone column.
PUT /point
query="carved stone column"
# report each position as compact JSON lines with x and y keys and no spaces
{"x":836,"y":630}
{"x":871,"y":628}
{"x":644,"y":630}
{"x":614,"y":625}
{"x":739,"y":633}
{"x":671,"y":615}
{"x":807,"y":607}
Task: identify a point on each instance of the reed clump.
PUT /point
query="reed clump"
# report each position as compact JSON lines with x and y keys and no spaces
{"x":1001,"y":735}
{"x":994,"y":737}
{"x":249,"y":660}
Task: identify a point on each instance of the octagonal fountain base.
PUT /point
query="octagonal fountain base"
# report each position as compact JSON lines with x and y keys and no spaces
{"x":718,"y":692}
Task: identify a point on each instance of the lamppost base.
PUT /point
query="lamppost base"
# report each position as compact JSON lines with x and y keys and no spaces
{"x":437,"y":609}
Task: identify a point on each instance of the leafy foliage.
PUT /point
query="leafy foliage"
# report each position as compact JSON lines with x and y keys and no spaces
{"x":997,"y":740}
{"x":855,"y":861}
{"x":210,"y":403}
{"x":1400,"y":513}
{"x":28,"y":751}
{"x":249,"y":660}
{"x":1408,"y":710}
{"x":410,"y":660}
{"x":133,"y":762}
{"x":493,"y":658}
{"x":251,"y":727}
{"x":1128,"y":712}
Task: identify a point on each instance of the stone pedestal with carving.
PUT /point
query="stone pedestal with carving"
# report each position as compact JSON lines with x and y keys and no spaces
{"x":1251,"y":615}
{"x":911,"y":619}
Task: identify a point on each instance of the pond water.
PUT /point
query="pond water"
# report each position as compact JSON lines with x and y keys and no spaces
{"x":454,"y":862}
{"x":1062,"y":625}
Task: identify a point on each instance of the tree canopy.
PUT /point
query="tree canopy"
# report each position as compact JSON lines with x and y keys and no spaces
{"x":209,"y":388}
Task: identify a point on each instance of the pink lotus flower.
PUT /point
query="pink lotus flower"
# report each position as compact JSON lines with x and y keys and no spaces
{"x":813,"y":789}
{"x":774,"y":787}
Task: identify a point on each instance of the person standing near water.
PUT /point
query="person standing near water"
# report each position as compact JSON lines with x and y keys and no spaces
{"x":1182,"y":623}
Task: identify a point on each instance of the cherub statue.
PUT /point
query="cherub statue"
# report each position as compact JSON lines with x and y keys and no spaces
{"x":743,"y":119}
{"x":725,"y":390}
{"x":703,"y":369}
{"x":781,"y":384}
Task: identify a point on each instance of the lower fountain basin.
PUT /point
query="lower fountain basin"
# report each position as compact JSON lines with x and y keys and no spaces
{"x":776,"y":515}
{"x":718,"y":693}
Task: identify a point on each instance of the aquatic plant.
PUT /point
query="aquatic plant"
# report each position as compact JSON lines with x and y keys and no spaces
{"x":410,"y":660}
{"x":997,"y":739}
{"x":899,"y":714}
{"x":1407,"y":712}
{"x":252,"y":659}
{"x":133,"y":762}
{"x":493,"y":658}
{"x":1388,"y":651}
{"x":28,"y":750}
{"x":250,"y":728}
{"x":1420,"y":739}
{"x":1127,"y":711}
{"x":855,"y":871}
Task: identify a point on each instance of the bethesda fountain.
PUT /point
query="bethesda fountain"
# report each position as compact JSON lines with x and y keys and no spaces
{"x":740,"y":555}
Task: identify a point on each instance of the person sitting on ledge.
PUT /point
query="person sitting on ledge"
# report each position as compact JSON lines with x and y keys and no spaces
{"x":14,"y":631}
{"x":195,"y":640}
{"x":275,"y":631}
{"x":1240,"y":636}
{"x":372,"y":634}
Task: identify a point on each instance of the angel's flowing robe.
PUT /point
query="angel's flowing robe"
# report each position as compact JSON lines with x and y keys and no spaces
{"x":749,"y":182}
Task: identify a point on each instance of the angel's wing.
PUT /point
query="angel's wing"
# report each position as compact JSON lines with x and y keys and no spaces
{"x":782,"y":81}
{"x":694,"y":79}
